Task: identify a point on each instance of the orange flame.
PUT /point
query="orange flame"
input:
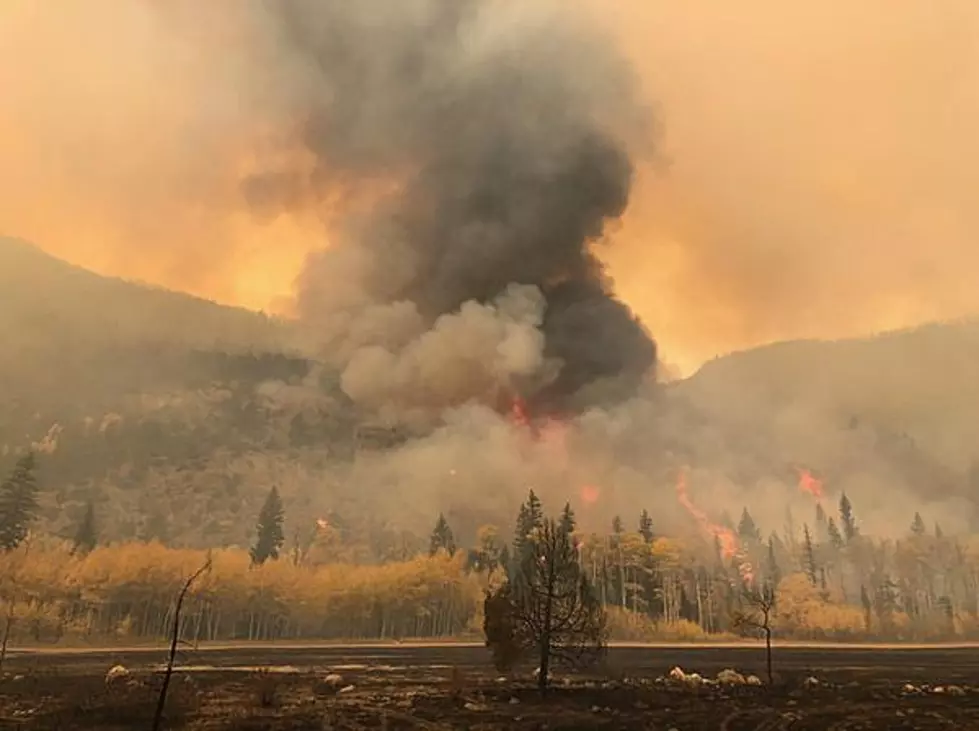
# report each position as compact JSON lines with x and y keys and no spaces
{"x":730,"y":547}
{"x":810,"y":484}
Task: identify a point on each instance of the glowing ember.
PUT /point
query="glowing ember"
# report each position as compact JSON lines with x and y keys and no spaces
{"x":728,"y":541}
{"x":810,"y":484}
{"x":589,"y":494}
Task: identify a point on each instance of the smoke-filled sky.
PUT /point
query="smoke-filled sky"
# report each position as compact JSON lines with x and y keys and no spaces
{"x":815,"y":175}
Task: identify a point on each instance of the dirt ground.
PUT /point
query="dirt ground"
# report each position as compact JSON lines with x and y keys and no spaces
{"x":445,"y":688}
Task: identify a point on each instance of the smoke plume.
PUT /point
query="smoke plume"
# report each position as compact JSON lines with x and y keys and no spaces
{"x":492,"y":142}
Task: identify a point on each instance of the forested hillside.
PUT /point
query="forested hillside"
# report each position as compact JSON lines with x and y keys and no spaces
{"x":174,"y":416}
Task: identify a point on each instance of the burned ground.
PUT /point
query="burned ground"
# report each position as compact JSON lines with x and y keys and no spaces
{"x":453,"y":687}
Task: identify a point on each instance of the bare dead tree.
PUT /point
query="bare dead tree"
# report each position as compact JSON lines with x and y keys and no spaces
{"x":547,"y":606}
{"x":174,"y":641}
{"x":758,"y":616}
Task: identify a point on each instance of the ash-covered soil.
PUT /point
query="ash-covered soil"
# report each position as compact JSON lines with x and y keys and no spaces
{"x":406,"y":695}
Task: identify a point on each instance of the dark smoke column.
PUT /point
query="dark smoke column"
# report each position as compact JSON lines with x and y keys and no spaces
{"x":502,"y":127}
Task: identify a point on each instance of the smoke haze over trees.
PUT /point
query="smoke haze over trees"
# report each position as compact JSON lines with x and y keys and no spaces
{"x":448,"y":180}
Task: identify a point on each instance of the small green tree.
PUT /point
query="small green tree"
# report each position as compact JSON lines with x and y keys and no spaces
{"x":86,"y":536}
{"x":269,"y":535}
{"x":18,"y":503}
{"x":442,"y":538}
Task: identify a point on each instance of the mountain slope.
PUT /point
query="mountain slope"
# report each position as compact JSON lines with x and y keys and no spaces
{"x":175,"y":415}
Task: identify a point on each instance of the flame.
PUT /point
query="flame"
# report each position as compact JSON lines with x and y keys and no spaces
{"x":518,"y":412}
{"x":810,"y":484}
{"x":730,"y":546}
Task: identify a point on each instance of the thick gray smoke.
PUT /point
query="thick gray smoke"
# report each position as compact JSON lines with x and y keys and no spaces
{"x":492,"y":139}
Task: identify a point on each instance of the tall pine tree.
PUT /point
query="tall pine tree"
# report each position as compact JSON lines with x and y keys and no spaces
{"x":269,"y":535}
{"x":809,"y":555}
{"x":918,"y":525}
{"x":568,"y":522}
{"x":847,"y":520}
{"x":86,"y":536}
{"x":530,"y":519}
{"x":18,"y":503}
{"x":442,"y":538}
{"x":646,"y":526}
{"x":774,"y":573}
{"x":747,"y":530}
{"x":835,"y":538}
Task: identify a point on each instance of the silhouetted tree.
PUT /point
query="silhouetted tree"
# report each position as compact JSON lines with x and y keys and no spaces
{"x":834,"y":534}
{"x":747,"y":530}
{"x":18,"y":503}
{"x":269,"y":535}
{"x":774,"y":573}
{"x":86,"y":536}
{"x":547,"y":606}
{"x":646,"y":526}
{"x":529,"y":519}
{"x":758,"y":615}
{"x":847,"y":520}
{"x":568,"y":523}
{"x":442,"y":538}
{"x":918,"y":525}
{"x":809,"y":555}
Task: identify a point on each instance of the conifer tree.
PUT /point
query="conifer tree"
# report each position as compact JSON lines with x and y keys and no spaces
{"x":269,"y":535}
{"x":618,"y":528}
{"x":442,"y":538}
{"x":774,"y":573}
{"x":646,"y":526}
{"x":529,"y":520}
{"x":568,"y":522}
{"x":548,"y":607}
{"x":747,"y":530}
{"x":86,"y":536}
{"x":18,"y":503}
{"x":820,"y":514}
{"x":847,"y":520}
{"x":834,"y":534}
{"x":809,"y":555}
{"x":939,"y":533}
{"x":918,"y":525}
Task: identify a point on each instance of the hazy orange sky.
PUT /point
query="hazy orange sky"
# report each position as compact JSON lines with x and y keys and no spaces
{"x":822,"y":175}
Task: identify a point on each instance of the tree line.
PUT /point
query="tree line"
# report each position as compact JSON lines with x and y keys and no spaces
{"x":827,"y":579}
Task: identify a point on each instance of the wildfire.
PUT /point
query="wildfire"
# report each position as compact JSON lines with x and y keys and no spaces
{"x":518,"y":412}
{"x":730,"y":547}
{"x":809,"y":484}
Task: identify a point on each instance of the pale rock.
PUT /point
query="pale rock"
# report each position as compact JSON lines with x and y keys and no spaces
{"x":116,"y":674}
{"x":730,"y":677}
